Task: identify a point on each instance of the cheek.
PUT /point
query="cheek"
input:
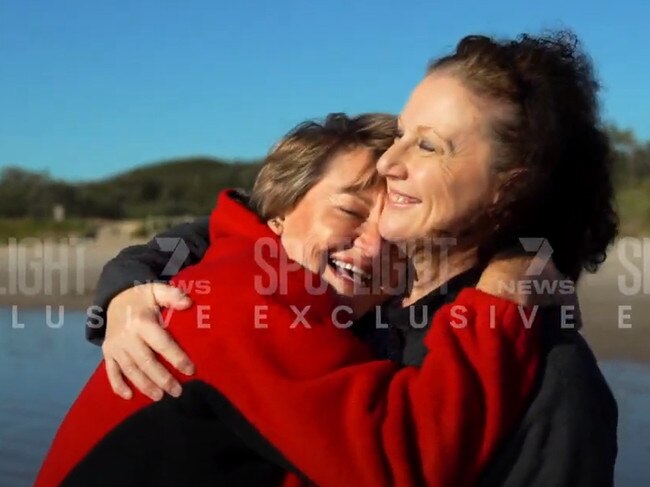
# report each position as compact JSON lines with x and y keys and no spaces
{"x":317,"y":239}
{"x":296,"y":237}
{"x":337,"y":226}
{"x":440,"y":189}
{"x":475,"y":186}
{"x":452,"y":194}
{"x":467,"y":193}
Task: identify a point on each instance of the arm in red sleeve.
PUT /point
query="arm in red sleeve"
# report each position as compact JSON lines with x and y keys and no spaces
{"x":316,"y":393}
{"x":344,"y":419}
{"x":94,"y":413}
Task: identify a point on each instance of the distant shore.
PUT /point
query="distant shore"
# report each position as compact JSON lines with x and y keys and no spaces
{"x":58,"y":272}
{"x":615,"y":303}
{"x":617,"y":326}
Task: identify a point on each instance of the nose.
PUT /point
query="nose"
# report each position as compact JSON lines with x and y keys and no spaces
{"x":389,"y":164}
{"x":368,"y":241}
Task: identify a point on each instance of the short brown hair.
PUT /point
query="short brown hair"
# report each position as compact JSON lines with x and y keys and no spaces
{"x":300,"y":159}
{"x":555,"y":142}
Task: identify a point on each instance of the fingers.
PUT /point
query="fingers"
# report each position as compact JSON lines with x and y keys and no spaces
{"x":167,"y":296}
{"x":161,"y":342}
{"x":118,"y":384}
{"x":135,"y":332}
{"x":137,"y":377}
{"x":135,"y":349}
{"x":152,"y":369}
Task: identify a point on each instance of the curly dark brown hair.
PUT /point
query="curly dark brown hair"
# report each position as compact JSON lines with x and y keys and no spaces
{"x":553,"y":155}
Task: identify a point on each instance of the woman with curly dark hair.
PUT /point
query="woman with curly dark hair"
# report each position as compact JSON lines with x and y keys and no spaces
{"x":502,"y":142}
{"x":499,"y":149}
{"x":551,"y":153}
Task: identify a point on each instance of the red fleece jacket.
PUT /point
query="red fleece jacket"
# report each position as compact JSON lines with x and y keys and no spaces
{"x":340,"y":416}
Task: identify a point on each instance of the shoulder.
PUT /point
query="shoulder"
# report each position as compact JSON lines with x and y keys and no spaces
{"x":571,"y":367}
{"x":257,"y":270}
{"x":572,"y":391}
{"x":567,"y":436}
{"x":574,"y":405}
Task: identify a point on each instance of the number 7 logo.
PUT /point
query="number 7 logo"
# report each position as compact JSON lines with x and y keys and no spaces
{"x":543,"y":250}
{"x":179,"y":250}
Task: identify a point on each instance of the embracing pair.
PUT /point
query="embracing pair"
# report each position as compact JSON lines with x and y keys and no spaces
{"x":360,"y":320}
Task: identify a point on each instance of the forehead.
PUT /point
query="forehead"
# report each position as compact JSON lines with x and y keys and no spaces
{"x":353,"y":169}
{"x":442,"y":102}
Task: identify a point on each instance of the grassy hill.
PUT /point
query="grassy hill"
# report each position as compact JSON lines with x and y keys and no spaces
{"x":178,"y":187}
{"x":175,"y":187}
{"x":189,"y":186}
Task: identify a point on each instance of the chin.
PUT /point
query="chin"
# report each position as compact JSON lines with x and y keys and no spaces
{"x":341,"y":287}
{"x":344,"y":290}
{"x":392,"y":232}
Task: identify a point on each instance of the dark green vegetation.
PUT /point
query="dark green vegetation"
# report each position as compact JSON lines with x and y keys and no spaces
{"x":178,"y":187}
{"x":167,"y":189}
{"x":190,"y":186}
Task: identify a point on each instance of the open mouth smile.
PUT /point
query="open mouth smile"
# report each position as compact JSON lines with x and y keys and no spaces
{"x":399,"y":199}
{"x":349,"y":271}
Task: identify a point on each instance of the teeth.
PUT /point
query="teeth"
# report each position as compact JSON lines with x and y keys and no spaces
{"x":351,"y":268}
{"x":398,"y":198}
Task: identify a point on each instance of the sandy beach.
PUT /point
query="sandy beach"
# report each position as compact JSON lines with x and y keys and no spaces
{"x":615,"y":306}
{"x":615,"y":303}
{"x":62,"y":272}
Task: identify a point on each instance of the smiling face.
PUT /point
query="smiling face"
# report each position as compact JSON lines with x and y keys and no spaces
{"x":439,"y":173}
{"x":333,"y":230}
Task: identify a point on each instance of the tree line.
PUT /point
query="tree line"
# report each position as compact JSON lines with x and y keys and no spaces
{"x":178,"y":187}
{"x":189,"y":186}
{"x":631,"y":157}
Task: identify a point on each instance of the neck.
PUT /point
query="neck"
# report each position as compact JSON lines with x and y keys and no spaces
{"x":434,"y":265}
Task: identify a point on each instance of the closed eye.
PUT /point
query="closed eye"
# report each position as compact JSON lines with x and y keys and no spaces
{"x":426,"y":146}
{"x":351,"y":212}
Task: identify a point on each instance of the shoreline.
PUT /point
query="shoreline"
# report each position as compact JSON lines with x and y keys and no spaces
{"x":606,"y":303}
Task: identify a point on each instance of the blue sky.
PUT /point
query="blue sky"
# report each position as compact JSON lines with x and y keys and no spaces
{"x":91,"y":88}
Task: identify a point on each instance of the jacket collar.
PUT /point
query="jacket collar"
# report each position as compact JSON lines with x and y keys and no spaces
{"x":232,"y":217}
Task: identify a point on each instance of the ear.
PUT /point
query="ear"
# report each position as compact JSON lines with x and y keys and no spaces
{"x":506,"y":181}
{"x":276,"y":224}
